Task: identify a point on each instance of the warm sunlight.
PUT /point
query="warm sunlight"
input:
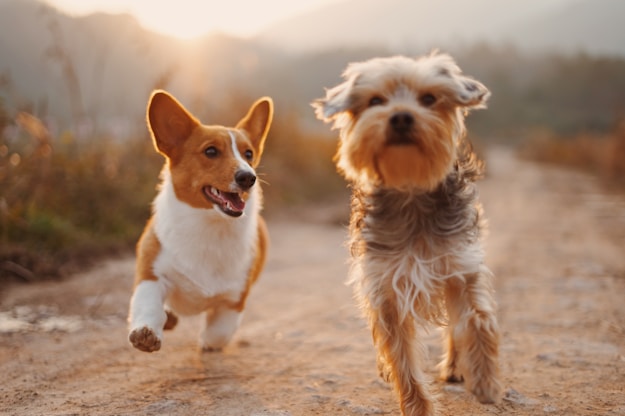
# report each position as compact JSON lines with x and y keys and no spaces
{"x":191,"y":18}
{"x":188,"y":19}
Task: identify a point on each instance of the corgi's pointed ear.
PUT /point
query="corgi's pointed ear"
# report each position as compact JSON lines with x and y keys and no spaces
{"x":169,"y":122}
{"x":257,"y":122}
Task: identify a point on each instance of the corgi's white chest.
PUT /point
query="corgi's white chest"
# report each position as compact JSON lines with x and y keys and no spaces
{"x":204,"y":253}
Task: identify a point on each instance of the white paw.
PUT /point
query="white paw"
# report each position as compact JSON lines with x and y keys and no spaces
{"x":145,"y":339}
{"x":210,"y":341}
{"x":219,"y":328}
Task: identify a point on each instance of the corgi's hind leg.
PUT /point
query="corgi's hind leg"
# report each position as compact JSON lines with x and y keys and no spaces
{"x":171,"y":321}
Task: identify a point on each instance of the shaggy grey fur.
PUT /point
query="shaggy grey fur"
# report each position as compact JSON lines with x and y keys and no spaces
{"x":386,"y":221}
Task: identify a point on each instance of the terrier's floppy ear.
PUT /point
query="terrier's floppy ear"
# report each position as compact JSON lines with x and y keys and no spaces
{"x":336,"y":101}
{"x":470,"y":93}
{"x":169,"y":122}
{"x":257,"y":122}
{"x":462,"y":90}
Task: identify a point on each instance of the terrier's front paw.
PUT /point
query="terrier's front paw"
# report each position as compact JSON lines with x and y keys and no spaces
{"x":488,"y":390}
{"x":384,"y":370}
{"x":449,"y":372}
{"x":144,"y":339}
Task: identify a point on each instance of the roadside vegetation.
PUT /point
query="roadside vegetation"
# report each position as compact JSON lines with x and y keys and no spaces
{"x":600,"y":154}
{"x":69,"y":197}
{"x":67,"y":200}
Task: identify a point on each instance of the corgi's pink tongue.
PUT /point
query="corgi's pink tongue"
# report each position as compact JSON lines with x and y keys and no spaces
{"x":229,"y":202}
{"x":233,"y":201}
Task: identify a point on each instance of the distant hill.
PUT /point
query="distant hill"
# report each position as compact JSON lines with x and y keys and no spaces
{"x":595,"y":26}
{"x":112,"y":58}
{"x":592,"y":26}
{"x":114,"y":61}
{"x":96,"y":72}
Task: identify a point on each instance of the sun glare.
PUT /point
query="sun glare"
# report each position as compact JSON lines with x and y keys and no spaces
{"x":181,"y":22}
{"x":189,"y":19}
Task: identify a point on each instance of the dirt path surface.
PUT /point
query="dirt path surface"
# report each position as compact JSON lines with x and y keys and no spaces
{"x":556,"y":245}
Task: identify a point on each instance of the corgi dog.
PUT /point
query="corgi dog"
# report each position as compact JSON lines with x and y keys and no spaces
{"x":206,"y":243}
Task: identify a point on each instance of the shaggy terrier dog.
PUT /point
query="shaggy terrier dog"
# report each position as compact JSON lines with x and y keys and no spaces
{"x":416,"y":221}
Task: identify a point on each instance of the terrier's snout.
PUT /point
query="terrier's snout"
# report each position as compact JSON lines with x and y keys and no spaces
{"x":245,"y":179}
{"x":402,"y":121}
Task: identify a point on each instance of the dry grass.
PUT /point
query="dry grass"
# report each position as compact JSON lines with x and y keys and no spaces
{"x":601,"y":155}
{"x":66,"y":200}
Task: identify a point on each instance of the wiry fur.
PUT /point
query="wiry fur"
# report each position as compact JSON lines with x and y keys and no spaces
{"x":418,"y":235}
{"x":415,"y":234}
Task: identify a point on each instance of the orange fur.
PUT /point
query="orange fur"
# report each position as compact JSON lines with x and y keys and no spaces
{"x":148,"y":248}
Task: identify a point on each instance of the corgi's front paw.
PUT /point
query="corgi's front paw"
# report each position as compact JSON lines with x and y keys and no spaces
{"x":144,"y":339}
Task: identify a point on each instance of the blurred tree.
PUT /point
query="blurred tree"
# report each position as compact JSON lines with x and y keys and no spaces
{"x":58,"y":52}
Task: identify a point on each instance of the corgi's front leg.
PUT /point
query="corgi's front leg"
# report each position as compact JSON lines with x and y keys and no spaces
{"x":147,"y":316}
{"x":219,"y":327}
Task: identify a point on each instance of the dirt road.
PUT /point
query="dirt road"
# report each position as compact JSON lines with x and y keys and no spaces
{"x":556,"y":245}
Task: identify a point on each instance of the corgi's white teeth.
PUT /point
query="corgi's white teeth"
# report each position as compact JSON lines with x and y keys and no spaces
{"x":230,"y":203}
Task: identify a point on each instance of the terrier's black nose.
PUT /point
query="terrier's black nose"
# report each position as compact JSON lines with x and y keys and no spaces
{"x":245,"y":179}
{"x":402,"y":122}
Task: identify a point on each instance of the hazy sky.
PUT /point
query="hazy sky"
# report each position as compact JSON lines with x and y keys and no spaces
{"x":189,"y":18}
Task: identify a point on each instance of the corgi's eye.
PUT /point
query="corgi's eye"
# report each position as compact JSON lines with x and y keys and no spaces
{"x":249,"y":155}
{"x":211,"y":152}
{"x":376,"y":100}
{"x":427,"y":100}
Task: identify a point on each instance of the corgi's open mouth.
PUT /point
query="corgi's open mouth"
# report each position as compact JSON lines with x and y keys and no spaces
{"x":228,"y":202}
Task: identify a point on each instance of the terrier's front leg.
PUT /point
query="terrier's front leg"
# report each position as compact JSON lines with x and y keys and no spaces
{"x":399,"y":358}
{"x":147,"y":316}
{"x":456,"y":306}
{"x":477,"y":337}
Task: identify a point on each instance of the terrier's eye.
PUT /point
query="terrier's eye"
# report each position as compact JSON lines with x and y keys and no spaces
{"x":211,"y":152}
{"x":376,"y":101}
{"x":249,"y":155}
{"x":427,"y":100}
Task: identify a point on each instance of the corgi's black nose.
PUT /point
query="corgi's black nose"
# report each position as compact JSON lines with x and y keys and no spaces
{"x":245,"y":179}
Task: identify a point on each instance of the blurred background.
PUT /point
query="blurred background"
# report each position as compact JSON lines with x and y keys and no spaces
{"x":77,"y":166}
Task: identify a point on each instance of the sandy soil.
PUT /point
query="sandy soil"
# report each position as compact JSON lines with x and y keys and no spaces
{"x":556,"y":246}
